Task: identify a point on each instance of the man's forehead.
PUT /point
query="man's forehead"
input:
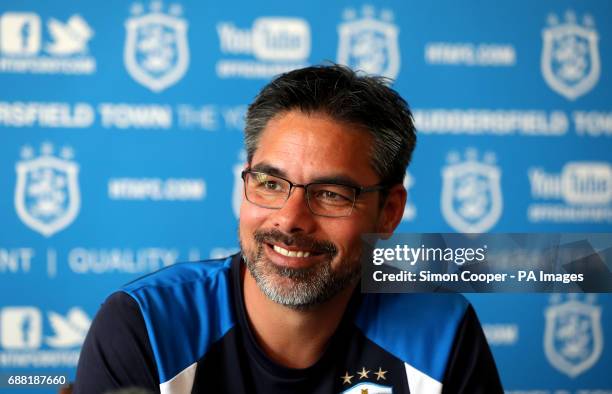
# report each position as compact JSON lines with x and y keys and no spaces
{"x":304,"y":147}
{"x":296,"y":129}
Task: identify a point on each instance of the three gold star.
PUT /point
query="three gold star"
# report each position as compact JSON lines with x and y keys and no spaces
{"x":380,"y":374}
{"x":363,"y":373}
{"x":346,"y":379}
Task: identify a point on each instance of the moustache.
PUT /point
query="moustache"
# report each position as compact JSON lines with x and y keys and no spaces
{"x":299,"y":241}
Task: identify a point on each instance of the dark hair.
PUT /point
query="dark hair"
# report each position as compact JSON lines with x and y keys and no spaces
{"x":342,"y":94}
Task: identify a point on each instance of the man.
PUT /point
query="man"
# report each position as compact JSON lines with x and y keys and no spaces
{"x":327,"y":151}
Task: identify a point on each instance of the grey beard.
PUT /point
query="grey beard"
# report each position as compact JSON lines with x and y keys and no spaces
{"x":306,"y":287}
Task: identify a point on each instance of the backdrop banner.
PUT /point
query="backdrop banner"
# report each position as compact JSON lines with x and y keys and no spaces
{"x":121,"y":150}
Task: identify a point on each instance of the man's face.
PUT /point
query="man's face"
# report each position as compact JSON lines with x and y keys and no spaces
{"x":309,"y":148}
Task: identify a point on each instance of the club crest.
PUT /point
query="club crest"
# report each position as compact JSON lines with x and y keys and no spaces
{"x":368,"y":44}
{"x":471,"y":193}
{"x":47,"y":197}
{"x":573,"y":338}
{"x":570,"y":55}
{"x":156,"y":53}
{"x":366,"y":381}
{"x":369,"y":388}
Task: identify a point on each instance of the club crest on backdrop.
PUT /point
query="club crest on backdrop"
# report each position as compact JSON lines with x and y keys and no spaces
{"x":471,"y":192}
{"x":570,"y":55}
{"x":156,"y":52}
{"x":369,"y":44}
{"x":573,"y":337}
{"x":47,"y":197}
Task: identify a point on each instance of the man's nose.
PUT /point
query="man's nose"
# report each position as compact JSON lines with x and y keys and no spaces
{"x":295,"y":215}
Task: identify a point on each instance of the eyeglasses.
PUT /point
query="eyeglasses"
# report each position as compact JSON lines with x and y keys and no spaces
{"x":323,"y":199}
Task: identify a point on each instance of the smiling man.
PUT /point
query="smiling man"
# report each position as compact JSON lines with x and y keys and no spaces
{"x":327,"y":151}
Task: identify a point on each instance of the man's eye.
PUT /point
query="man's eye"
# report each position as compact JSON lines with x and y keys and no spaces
{"x":330,"y":196}
{"x":269,"y":186}
{"x":326,"y":194}
{"x":272,"y":185}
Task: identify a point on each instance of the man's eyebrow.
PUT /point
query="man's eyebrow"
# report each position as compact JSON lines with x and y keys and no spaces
{"x":336,"y":179}
{"x":269,"y":169}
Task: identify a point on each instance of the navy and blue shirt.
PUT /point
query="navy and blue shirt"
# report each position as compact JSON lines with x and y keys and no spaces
{"x":184,"y":329}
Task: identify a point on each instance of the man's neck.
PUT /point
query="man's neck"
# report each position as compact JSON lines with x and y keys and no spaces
{"x":292,"y":338}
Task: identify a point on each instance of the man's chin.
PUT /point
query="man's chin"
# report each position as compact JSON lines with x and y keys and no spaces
{"x":298,"y":289}
{"x":291,"y":287}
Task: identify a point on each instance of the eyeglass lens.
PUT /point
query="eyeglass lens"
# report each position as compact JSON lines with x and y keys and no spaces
{"x":323,"y":199}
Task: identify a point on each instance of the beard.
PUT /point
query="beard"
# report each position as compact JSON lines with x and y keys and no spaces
{"x":299,"y":288}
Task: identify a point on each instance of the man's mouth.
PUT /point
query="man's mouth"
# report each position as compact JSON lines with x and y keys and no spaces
{"x":293,"y":250}
{"x":290,"y":253}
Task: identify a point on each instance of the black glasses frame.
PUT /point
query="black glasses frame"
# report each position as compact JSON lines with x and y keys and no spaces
{"x":357,"y":189}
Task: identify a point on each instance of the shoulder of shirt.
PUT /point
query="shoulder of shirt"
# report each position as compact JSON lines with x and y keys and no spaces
{"x":419,"y":329}
{"x":186,"y":307}
{"x":180,"y":274}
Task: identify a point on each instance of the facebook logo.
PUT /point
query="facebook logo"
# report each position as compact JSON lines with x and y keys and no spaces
{"x":20,"y":33}
{"x":20,"y":328}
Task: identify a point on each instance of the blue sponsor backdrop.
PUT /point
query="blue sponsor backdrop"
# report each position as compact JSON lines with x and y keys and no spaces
{"x":121,"y":144}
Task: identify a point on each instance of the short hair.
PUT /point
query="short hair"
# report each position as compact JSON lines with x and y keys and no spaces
{"x":347,"y":96}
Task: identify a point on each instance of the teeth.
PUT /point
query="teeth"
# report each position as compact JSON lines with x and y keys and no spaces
{"x":290,"y":253}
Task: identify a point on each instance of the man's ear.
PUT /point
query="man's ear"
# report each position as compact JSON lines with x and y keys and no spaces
{"x":392,"y":211}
